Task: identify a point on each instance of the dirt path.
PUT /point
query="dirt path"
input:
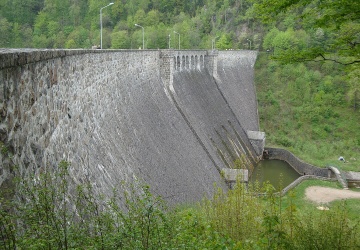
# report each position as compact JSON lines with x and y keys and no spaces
{"x":323,"y":195}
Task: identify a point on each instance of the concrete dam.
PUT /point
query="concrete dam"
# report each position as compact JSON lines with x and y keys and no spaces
{"x":172,"y":118}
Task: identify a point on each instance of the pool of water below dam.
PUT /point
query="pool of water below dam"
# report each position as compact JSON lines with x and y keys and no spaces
{"x":279,"y":173}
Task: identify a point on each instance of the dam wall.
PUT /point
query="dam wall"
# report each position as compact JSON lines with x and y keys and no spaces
{"x":165,"y":117}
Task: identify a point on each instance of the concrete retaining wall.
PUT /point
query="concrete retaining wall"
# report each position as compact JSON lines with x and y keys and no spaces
{"x":301,"y":167}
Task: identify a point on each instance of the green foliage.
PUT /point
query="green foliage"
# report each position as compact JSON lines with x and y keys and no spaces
{"x":145,"y":224}
{"x":5,"y":32}
{"x":120,"y":40}
{"x":307,"y":109}
{"x":70,"y":44}
{"x":3,"y":149}
{"x":42,"y":210}
{"x":50,"y":24}
{"x":353,"y":93}
{"x":229,"y":213}
{"x":79,"y":38}
{"x":49,"y":213}
{"x":275,"y":224}
{"x":224,"y":42}
{"x":242,"y":163}
{"x":330,"y":29}
{"x":323,"y":231}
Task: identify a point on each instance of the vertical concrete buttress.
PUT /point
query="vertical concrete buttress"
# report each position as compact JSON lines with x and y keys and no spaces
{"x":167,"y":65}
{"x":211,"y":62}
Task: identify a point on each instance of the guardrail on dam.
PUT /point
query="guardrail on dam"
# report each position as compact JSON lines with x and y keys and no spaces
{"x":171,"y":118}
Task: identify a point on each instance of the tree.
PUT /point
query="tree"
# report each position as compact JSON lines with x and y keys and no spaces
{"x":120,"y":40}
{"x":58,"y":10}
{"x":41,"y":41}
{"x":354,"y":88}
{"x":70,"y":44}
{"x":20,"y":11}
{"x":338,"y":19}
{"x":17,"y":39}
{"x":268,"y":39}
{"x":81,"y":37}
{"x":140,"y":17}
{"x":224,"y":42}
{"x":280,"y":42}
{"x":5,"y":31}
{"x":152,"y":18}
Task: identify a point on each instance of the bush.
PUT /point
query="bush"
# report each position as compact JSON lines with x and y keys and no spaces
{"x":47,"y":215}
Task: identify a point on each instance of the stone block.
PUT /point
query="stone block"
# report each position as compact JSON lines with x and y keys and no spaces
{"x":232,"y":175}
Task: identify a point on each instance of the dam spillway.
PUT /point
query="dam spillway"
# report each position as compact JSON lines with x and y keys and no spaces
{"x":171,"y":118}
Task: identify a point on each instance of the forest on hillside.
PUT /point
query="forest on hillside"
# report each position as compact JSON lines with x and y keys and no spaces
{"x":76,"y":24}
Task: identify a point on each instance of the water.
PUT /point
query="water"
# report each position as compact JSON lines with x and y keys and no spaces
{"x":279,"y":173}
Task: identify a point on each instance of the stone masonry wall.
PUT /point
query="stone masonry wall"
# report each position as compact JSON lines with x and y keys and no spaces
{"x":110,"y":114}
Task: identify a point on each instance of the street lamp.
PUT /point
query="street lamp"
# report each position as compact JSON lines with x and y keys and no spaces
{"x":101,"y":23}
{"x":213,"y":43}
{"x":169,"y":41}
{"x":137,"y":25}
{"x":249,"y":42}
{"x":179,"y":38}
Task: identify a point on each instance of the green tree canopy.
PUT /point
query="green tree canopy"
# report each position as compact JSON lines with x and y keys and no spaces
{"x":333,"y":27}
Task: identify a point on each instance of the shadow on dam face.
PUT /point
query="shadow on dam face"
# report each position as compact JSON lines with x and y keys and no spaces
{"x":124,"y":115}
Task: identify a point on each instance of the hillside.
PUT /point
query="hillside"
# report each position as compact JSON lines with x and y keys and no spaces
{"x":304,"y":108}
{"x":76,"y":24}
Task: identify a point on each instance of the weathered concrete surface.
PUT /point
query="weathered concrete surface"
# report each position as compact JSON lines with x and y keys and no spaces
{"x":234,"y":77}
{"x":257,"y":140}
{"x":209,"y":114}
{"x":112,"y":115}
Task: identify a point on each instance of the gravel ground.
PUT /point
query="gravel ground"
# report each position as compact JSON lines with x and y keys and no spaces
{"x":323,"y":195}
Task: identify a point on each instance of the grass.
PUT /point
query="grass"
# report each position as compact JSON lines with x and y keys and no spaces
{"x":297,"y":198}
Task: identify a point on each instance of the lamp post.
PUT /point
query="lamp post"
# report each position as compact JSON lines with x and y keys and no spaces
{"x":137,"y":25}
{"x":101,"y":23}
{"x":179,"y":38}
{"x":249,"y":42}
{"x":169,"y":41}
{"x":213,"y":43}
